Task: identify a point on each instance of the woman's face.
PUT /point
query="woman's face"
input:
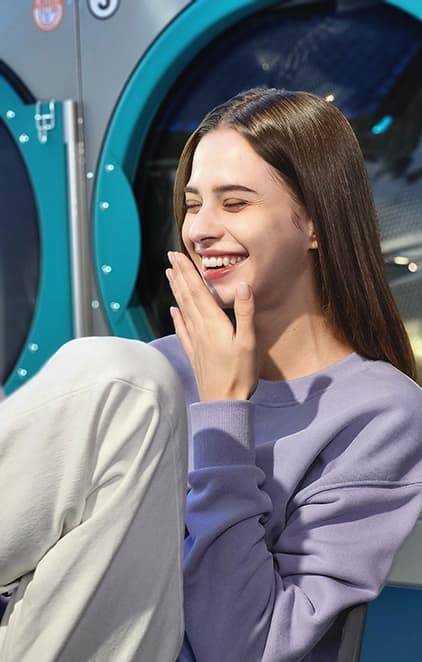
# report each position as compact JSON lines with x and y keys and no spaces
{"x":242,"y":225}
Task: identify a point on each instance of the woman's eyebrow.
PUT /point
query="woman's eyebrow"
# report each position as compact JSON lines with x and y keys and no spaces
{"x":224,"y":188}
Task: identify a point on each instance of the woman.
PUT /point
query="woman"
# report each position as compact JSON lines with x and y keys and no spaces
{"x":305,"y":454}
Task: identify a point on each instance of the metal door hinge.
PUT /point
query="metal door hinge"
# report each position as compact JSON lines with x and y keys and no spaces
{"x":45,"y":119}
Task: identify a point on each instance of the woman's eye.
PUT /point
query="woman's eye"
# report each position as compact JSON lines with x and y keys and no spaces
{"x":192,"y":206}
{"x":234,"y":205}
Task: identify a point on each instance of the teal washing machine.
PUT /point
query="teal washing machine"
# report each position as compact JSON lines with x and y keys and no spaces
{"x":213,"y":50}
{"x":44,"y":266}
{"x":60,"y":78}
{"x":366,"y":57}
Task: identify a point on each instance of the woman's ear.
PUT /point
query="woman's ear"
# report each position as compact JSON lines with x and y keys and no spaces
{"x":312,"y":236}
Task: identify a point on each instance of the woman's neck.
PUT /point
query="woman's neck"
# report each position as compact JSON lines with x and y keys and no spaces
{"x":299,"y":347}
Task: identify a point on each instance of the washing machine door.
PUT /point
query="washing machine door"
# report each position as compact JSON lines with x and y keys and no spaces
{"x":210,"y":53}
{"x":129,"y":252}
{"x":35,"y":301}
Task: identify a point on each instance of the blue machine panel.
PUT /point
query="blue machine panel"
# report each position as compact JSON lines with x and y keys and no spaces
{"x":392,"y":630}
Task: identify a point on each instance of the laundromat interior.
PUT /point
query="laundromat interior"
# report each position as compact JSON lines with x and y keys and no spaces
{"x":97,"y":98}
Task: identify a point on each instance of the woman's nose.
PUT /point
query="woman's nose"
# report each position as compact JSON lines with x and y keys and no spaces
{"x":204,"y":225}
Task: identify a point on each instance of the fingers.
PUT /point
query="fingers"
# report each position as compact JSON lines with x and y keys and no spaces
{"x":244,"y":309}
{"x":186,"y":279}
{"x":187,"y":309}
{"x":181,"y":331}
{"x":186,"y":318}
{"x":191,"y":294}
{"x":223,"y":361}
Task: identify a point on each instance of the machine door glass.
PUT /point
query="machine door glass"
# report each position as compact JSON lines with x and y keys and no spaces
{"x":374,"y":79}
{"x":19,"y":253}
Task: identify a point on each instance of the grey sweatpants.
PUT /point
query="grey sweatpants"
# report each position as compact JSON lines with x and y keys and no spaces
{"x":93,"y":483}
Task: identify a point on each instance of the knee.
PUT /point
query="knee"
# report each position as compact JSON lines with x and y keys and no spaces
{"x":109,"y":358}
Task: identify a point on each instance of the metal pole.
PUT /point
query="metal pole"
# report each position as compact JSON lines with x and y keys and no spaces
{"x":78,"y":221}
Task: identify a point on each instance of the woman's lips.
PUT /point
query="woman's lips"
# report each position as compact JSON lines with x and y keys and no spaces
{"x":213,"y":274}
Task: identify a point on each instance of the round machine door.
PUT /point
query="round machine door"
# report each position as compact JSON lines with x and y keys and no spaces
{"x":124,"y":253}
{"x":204,"y":57}
{"x":35,"y":302}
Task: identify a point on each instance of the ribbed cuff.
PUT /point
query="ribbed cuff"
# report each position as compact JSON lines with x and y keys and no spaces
{"x":223,"y":433}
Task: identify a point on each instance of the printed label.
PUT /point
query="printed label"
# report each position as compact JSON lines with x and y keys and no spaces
{"x":47,"y":14}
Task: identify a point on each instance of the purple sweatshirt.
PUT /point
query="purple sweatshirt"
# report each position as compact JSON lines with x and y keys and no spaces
{"x":299,"y":499}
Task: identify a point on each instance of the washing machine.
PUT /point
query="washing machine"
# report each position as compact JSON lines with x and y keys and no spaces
{"x":110,"y":90}
{"x":210,"y":51}
{"x":40,"y":154}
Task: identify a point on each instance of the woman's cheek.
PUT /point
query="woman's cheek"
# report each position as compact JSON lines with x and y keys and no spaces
{"x":187,"y":243}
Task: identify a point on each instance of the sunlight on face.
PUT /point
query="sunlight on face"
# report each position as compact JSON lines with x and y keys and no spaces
{"x":243,"y":225}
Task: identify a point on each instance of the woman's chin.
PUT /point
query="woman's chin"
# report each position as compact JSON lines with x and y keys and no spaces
{"x":223,"y":296}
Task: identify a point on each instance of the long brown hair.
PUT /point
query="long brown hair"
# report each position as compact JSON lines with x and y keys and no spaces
{"x":312,"y":146}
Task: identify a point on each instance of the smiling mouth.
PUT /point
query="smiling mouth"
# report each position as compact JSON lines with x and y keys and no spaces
{"x":216,"y":268}
{"x":221,"y":261}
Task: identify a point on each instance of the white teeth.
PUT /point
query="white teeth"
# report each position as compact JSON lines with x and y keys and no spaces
{"x":224,"y":261}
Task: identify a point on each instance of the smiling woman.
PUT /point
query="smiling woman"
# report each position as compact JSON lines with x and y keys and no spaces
{"x":240,"y":203}
{"x":303,"y":423}
{"x":304,"y":158}
{"x":232,"y":198}
{"x":304,"y":419}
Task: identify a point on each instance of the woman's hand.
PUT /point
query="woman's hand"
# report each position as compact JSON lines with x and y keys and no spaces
{"x":224,"y":360}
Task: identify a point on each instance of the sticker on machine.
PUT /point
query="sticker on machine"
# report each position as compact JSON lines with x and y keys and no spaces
{"x":103,"y":8}
{"x":47,"y":14}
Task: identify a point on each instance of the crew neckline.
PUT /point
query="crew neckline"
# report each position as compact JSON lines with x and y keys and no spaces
{"x":305,"y":388}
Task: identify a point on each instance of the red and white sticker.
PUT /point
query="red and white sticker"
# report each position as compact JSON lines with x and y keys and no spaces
{"x":47,"y":14}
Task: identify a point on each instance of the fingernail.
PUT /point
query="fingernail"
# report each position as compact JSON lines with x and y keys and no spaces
{"x":243,"y":291}
{"x":170,"y":256}
{"x":169,"y":274}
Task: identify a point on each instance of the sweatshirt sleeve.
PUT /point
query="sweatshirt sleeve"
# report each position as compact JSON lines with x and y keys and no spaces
{"x":245,"y":600}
